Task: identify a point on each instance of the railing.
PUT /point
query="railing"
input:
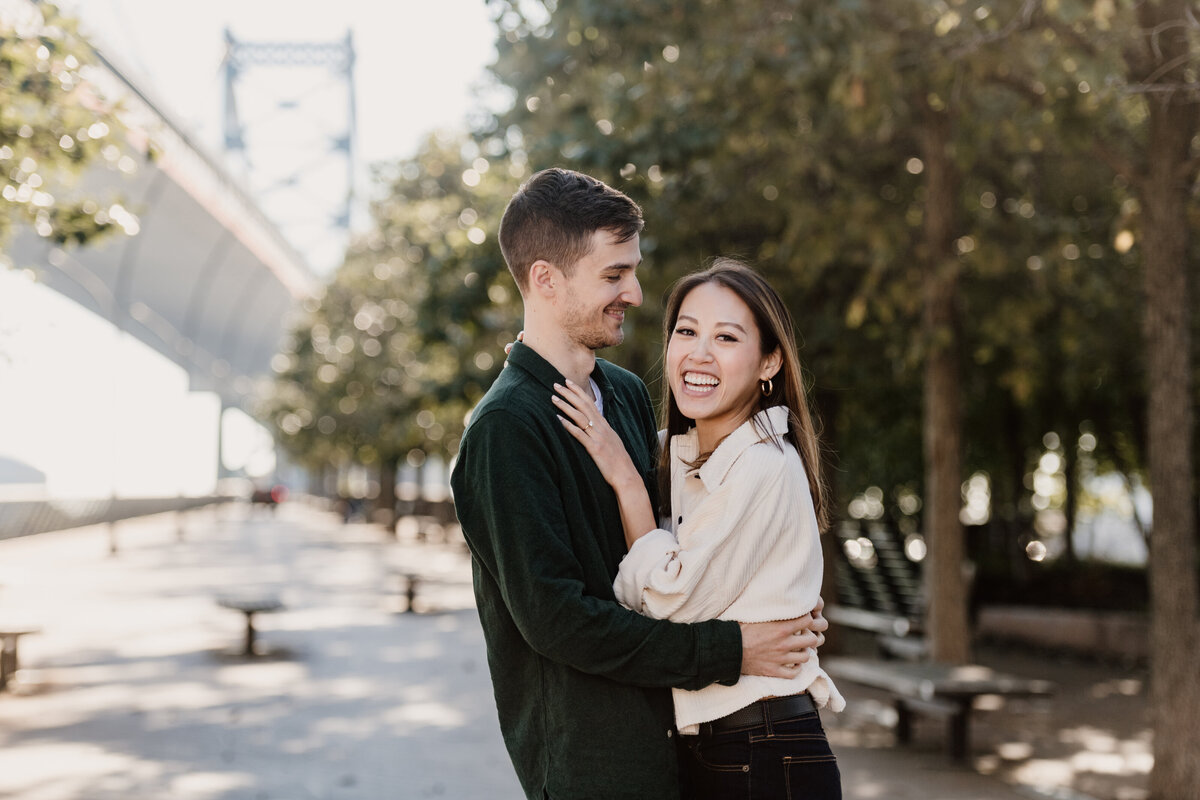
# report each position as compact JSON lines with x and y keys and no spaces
{"x":25,"y":517}
{"x":883,"y":579}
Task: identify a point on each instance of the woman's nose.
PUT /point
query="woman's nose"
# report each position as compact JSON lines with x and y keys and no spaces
{"x":700,"y":351}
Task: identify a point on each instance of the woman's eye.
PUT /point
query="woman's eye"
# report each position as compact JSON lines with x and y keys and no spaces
{"x":683,"y":331}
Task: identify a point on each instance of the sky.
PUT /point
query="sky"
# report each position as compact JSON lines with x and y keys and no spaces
{"x":420,"y":66}
{"x":417,"y":60}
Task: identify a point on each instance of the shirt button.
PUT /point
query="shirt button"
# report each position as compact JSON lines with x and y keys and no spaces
{"x":680,"y":521}
{"x":670,"y":734}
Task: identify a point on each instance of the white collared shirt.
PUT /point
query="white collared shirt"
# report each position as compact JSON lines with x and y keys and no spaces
{"x":742,"y":545}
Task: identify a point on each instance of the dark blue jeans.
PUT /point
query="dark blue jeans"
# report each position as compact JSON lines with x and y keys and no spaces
{"x":785,"y":760}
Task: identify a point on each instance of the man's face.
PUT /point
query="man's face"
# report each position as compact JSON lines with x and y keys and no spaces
{"x":603,"y":284}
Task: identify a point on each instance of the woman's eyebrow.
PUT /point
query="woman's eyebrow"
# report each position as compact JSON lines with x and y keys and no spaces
{"x":693,"y":320}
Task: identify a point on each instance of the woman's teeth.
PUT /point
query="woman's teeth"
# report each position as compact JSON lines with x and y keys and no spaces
{"x":695,"y":380}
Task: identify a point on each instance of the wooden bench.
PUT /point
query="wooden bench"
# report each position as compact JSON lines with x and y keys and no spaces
{"x":940,"y":690}
{"x":9,"y":663}
{"x":250,"y":605}
{"x":895,"y":636}
{"x":399,"y":582}
{"x":873,"y":621}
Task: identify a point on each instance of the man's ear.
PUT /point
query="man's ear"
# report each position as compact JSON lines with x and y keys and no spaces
{"x":544,"y":278}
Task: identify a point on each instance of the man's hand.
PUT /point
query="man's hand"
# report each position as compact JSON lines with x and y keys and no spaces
{"x":820,"y":624}
{"x":778,"y":649}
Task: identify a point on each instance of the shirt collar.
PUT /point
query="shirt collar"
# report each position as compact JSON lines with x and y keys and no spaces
{"x":759,"y":428}
{"x":528,"y":359}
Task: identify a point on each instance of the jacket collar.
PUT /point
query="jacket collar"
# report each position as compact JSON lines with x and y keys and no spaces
{"x":545,"y":373}
{"x":762,"y":427}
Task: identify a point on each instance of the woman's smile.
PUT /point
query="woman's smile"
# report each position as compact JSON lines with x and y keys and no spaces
{"x":699,"y":383}
{"x":715,"y":360}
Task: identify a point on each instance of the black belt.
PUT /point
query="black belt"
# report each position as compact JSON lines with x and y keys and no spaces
{"x":777,"y":709}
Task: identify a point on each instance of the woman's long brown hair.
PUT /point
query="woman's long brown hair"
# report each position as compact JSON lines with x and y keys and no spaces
{"x":775,"y":329}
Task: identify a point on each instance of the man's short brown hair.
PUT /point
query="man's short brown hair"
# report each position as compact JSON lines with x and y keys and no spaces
{"x":553,"y":216}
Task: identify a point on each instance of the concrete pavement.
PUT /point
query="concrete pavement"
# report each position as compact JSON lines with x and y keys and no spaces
{"x":133,"y":690}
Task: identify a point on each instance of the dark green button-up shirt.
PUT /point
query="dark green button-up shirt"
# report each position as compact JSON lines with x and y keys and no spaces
{"x":580,"y":682}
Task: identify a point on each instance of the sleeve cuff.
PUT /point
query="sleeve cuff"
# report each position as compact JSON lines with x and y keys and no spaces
{"x":720,"y":652}
{"x":650,"y":553}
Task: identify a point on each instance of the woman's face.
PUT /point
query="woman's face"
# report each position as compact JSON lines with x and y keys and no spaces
{"x":715,"y":362}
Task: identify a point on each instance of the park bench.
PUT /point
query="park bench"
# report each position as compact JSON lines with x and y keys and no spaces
{"x":410,"y":591}
{"x":250,"y":605}
{"x":403,"y":583}
{"x":895,"y":636}
{"x":10,"y":638}
{"x":939,"y":690}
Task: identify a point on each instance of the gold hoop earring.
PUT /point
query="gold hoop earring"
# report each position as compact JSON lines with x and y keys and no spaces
{"x":767,"y":387}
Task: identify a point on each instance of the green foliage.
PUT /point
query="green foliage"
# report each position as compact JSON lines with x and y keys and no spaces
{"x":717,"y":121}
{"x":786,"y":133}
{"x":410,"y":332}
{"x":54,"y":123}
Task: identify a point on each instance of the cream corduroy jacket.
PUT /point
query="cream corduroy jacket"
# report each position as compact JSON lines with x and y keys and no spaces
{"x":742,"y":545}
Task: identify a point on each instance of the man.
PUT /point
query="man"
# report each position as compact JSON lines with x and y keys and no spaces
{"x":580,"y":682}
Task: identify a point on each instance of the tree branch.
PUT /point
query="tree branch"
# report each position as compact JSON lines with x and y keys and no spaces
{"x":1177,"y":61}
{"x":922,"y":53}
{"x":1073,"y":36}
{"x":1165,"y":88}
{"x":1022,"y":21}
{"x":1022,"y":86}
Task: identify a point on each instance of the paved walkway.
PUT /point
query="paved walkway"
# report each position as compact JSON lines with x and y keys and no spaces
{"x":133,"y":690}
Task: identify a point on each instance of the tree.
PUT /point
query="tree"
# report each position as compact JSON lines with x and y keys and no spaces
{"x":1165,"y":65}
{"x":1152,"y":147}
{"x":54,"y":123}
{"x":409,"y":334}
{"x":716,"y":124}
{"x":1138,"y":64}
{"x":829,"y":145}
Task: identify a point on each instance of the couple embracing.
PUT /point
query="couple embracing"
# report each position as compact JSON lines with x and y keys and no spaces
{"x":651,"y":605}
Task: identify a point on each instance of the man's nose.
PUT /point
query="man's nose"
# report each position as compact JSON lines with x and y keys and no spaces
{"x":632,"y":293}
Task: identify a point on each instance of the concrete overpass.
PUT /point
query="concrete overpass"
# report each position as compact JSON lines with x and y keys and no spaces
{"x":207,"y":280}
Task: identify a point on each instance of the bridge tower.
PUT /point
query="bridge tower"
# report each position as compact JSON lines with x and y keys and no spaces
{"x":289,"y":124}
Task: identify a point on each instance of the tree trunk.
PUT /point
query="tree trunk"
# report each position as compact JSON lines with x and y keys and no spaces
{"x":1016,"y":522}
{"x":1070,"y":446}
{"x":385,"y":504}
{"x":945,"y":583}
{"x":1164,"y":190}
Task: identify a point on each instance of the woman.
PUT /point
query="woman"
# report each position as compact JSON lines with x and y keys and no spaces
{"x":746,"y":508}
